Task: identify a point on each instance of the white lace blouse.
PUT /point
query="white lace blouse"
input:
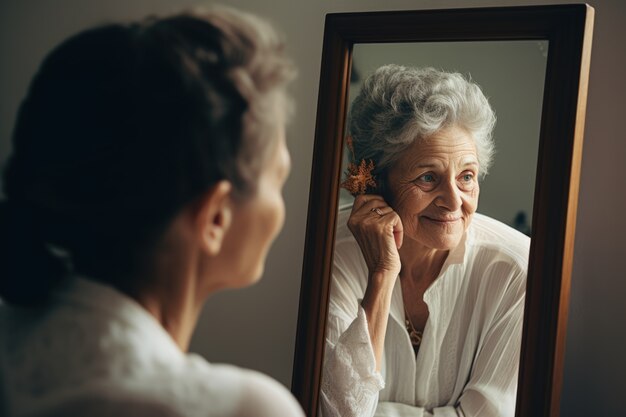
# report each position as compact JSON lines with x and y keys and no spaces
{"x":467,"y":364}
{"x":96,"y":352}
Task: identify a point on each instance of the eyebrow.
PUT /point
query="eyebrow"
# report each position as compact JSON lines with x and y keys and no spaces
{"x":426,"y":165}
{"x":468,"y":163}
{"x":435,"y":165}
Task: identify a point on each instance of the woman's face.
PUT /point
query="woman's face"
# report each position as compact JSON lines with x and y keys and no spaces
{"x":434,"y":188}
{"x":258,"y":219}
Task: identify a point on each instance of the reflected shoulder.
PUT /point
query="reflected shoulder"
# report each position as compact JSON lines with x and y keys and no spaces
{"x":491,"y":234}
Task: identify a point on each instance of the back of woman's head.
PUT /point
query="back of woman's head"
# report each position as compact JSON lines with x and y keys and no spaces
{"x":122,"y":127}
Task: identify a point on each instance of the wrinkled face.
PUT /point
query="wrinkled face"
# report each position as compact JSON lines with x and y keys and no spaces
{"x":258,"y":219}
{"x":434,"y":188}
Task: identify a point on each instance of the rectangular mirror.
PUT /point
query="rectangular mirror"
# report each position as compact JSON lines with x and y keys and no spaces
{"x":532,"y":65}
{"x":511,"y":75}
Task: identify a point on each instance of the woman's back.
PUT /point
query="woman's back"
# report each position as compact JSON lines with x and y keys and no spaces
{"x":97,"y":352}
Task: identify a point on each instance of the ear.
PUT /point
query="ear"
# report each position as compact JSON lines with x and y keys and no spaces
{"x":215,"y":217}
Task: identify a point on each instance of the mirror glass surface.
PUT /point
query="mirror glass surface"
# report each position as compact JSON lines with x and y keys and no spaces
{"x":511,"y":75}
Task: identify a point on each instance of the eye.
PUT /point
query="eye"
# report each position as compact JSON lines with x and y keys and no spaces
{"x":428,"y":178}
{"x":467,"y":177}
{"x":426,"y":181}
{"x":467,"y":180}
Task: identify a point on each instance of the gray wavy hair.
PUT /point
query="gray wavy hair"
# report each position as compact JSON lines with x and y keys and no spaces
{"x":398,"y":105}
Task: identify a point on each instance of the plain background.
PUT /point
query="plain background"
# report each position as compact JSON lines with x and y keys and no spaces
{"x":256,"y":327}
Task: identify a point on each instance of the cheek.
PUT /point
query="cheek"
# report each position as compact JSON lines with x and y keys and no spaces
{"x":470,"y":200}
{"x":401,"y":199}
{"x":409,"y":203}
{"x":279,"y":217}
{"x":274,"y":215}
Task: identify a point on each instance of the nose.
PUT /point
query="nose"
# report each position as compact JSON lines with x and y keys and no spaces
{"x":449,"y":196}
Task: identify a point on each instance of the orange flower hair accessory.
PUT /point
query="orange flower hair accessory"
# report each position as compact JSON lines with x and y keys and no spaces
{"x":358,"y":178}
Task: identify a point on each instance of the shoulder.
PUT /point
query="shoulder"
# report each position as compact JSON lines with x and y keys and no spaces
{"x":349,"y":268}
{"x":239,"y":392}
{"x":344,"y":240}
{"x":347,"y":252}
{"x":197,"y":388}
{"x":203,"y":391}
{"x":495,"y":242}
{"x":263,"y":396}
{"x":123,"y":364}
{"x":497,"y":258}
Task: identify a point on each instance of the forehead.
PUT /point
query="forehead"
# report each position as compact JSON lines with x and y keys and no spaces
{"x":450,"y":145}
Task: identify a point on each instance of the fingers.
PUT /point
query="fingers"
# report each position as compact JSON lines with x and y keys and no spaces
{"x":364,"y":205}
{"x":364,"y":199}
{"x":381,"y":211}
{"x":372,"y":208}
{"x":378,"y":231}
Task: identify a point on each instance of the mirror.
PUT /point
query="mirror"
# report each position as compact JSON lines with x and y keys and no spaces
{"x":546,"y":191}
{"x":511,"y":74}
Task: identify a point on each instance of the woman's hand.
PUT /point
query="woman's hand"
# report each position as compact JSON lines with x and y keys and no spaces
{"x":378,"y":231}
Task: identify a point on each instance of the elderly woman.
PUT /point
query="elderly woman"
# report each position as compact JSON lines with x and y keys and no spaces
{"x":427,"y":295}
{"x":146,"y":175}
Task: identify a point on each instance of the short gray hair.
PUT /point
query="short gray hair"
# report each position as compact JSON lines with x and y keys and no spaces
{"x":398,"y":105}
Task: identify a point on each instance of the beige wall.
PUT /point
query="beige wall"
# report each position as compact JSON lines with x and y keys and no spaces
{"x":256,"y":327}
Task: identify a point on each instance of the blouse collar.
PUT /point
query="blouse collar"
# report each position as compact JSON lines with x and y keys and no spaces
{"x":456,"y":256}
{"x":106,"y":301}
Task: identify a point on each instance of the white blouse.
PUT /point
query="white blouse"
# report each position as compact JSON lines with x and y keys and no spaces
{"x":96,"y":352}
{"x":467,"y":364}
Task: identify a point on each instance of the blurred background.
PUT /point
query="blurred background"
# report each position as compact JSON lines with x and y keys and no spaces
{"x":256,"y":327}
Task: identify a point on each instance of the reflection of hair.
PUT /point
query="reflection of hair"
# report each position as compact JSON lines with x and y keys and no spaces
{"x":124,"y":125}
{"x":398,"y":105}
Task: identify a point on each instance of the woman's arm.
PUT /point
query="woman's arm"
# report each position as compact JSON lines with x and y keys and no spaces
{"x":376,"y":304}
{"x":350,"y":380}
{"x":358,"y":312}
{"x":378,"y":231}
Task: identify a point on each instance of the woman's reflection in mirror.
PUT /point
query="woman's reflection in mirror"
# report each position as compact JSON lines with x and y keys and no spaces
{"x":427,"y":295}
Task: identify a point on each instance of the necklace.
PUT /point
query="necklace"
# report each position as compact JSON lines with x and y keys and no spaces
{"x":414,"y":335}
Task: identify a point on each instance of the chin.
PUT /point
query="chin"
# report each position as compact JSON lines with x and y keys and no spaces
{"x":258,"y":275}
{"x":445,"y":242}
{"x":254,"y":276}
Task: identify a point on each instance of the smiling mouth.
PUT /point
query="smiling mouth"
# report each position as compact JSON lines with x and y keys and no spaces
{"x":442,"y":220}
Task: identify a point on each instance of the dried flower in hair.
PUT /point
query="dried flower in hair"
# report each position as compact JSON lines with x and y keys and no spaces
{"x":359,"y":178}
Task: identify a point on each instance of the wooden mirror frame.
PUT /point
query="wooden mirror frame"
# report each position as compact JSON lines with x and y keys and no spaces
{"x":568,"y":28}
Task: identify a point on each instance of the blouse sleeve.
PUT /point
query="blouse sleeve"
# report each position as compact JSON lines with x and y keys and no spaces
{"x":350,"y":382}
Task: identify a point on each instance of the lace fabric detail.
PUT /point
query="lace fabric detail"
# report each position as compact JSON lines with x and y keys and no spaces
{"x":350,"y":382}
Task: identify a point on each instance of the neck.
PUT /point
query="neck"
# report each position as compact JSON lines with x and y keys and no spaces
{"x":178,"y":279}
{"x":420,"y":264}
{"x":176,"y":293}
{"x":176,"y":307}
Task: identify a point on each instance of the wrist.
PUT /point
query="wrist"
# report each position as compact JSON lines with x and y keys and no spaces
{"x":381,"y":283}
